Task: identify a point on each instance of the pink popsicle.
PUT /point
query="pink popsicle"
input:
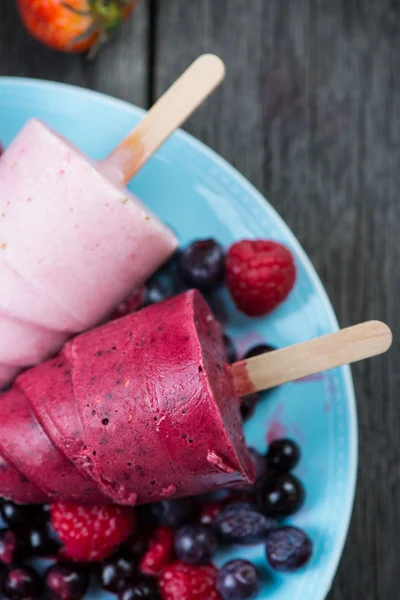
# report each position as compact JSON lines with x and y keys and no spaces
{"x":73,"y":244}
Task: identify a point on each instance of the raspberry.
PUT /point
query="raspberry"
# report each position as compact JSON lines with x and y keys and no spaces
{"x":91,"y":533}
{"x":159,"y":553}
{"x":187,"y":582}
{"x":260,"y":275}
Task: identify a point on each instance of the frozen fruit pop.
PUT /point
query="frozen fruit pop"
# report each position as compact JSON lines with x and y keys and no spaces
{"x":73,"y":244}
{"x":25,"y":444}
{"x":143,"y":406}
{"x":15,"y":485}
{"x":73,"y":240}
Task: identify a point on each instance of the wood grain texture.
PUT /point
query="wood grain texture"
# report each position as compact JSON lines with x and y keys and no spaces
{"x":310,"y":114}
{"x":120,"y":70}
{"x":344,"y":347}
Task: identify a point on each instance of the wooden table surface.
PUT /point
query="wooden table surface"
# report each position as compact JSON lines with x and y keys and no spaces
{"x":309,"y":113}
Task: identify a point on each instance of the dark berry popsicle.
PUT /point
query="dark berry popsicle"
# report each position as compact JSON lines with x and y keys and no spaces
{"x":140,"y":409}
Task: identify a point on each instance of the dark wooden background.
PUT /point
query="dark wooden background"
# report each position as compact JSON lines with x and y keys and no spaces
{"x":310,"y":113}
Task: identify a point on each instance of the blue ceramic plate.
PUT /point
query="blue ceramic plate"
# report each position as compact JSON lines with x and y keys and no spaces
{"x":199,"y":194}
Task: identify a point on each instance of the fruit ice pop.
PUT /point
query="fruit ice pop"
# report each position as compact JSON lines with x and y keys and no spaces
{"x":25,"y":444}
{"x":73,"y":243}
{"x":14,"y":485}
{"x":144,"y":407}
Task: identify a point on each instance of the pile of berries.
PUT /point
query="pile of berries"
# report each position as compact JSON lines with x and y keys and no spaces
{"x":162,"y":551}
{"x":259,"y":274}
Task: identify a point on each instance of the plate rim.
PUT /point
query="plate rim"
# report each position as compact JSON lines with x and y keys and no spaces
{"x":28,"y":82}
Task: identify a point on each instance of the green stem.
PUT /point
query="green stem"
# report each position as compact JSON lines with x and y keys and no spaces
{"x":81,"y":13}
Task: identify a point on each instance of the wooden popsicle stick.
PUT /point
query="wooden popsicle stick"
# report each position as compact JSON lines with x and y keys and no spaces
{"x":311,"y":357}
{"x":166,"y":115}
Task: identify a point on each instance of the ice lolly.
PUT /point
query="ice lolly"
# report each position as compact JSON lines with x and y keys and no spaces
{"x":73,"y":240}
{"x":145,"y":407}
{"x":142,"y":408}
{"x":15,"y":485}
{"x":78,"y":242}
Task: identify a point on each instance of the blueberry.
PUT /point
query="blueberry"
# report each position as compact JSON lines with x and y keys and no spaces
{"x":259,"y":349}
{"x":230,"y":350}
{"x":66,"y":581}
{"x":238,"y":580}
{"x":248,"y":405}
{"x":116,"y":572}
{"x":145,"y":588}
{"x":202,"y":264}
{"x":195,"y":544}
{"x":169,"y":268}
{"x":21,"y":583}
{"x":218,"y":307}
{"x":16,"y":515}
{"x":137,"y":545}
{"x":283,"y":455}
{"x":173,"y":513}
{"x":164,"y":283}
{"x":145,"y":525}
{"x":11,"y":547}
{"x":42,"y":513}
{"x":281,"y":495}
{"x":157,"y":290}
{"x":288,"y":548}
{"x":38,"y":542}
{"x":242,"y":523}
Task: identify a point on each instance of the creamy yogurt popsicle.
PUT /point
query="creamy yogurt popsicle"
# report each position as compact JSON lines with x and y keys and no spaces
{"x":73,"y":240}
{"x":144,"y":407}
{"x":73,"y":243}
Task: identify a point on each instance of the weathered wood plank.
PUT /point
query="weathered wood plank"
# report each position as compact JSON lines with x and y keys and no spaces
{"x":310,"y":114}
{"x":120,"y":69}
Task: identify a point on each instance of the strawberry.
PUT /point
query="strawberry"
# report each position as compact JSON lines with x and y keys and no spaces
{"x":160,"y":552}
{"x":91,"y":533}
{"x":179,"y":581}
{"x":260,"y":275}
{"x":74,"y":25}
